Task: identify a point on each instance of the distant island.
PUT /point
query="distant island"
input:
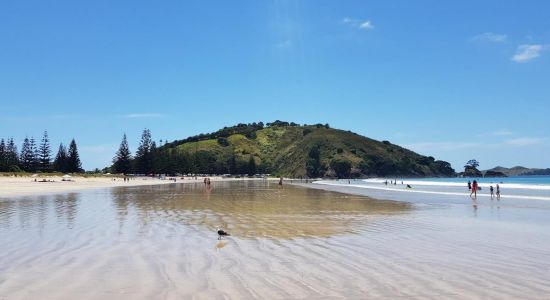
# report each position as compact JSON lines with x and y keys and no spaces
{"x":514,"y":171}
{"x":278,"y":148}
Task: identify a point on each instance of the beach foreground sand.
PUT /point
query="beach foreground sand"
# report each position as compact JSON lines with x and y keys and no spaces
{"x":289,"y":242}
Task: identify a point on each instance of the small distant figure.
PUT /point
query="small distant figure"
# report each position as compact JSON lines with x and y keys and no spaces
{"x":281,"y":181}
{"x":208,"y":181}
{"x":204,"y":180}
{"x":409,"y":186}
{"x":401,"y":182}
{"x":491,"y":190}
{"x":349,"y":181}
{"x":474,"y":189}
{"x":498,"y":192}
{"x":469,"y":185}
{"x":386,"y":182}
{"x":221,"y":233}
{"x":395,"y":182}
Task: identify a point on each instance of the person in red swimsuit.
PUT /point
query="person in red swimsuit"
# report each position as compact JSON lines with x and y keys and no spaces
{"x":474,"y":189}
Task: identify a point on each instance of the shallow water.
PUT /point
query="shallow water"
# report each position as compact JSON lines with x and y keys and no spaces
{"x":159,"y":242}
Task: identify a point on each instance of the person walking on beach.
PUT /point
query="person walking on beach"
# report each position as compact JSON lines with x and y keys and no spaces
{"x":474,"y":189}
{"x":498,"y":192}
{"x":469,"y":185}
{"x":491,"y":190}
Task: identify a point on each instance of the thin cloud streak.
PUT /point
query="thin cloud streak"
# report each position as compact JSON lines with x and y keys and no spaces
{"x":503,"y":132}
{"x":364,"y":25}
{"x":490,"y":37}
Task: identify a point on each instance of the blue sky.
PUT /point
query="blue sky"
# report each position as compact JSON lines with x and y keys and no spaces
{"x":451,"y":79}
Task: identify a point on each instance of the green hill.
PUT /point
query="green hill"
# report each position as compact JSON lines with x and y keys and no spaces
{"x":289,"y":149}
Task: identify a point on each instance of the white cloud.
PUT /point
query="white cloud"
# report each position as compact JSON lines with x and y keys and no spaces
{"x":142,"y":115}
{"x":490,"y":37}
{"x":365,"y":24}
{"x":525,"y":141}
{"x":525,"y":53}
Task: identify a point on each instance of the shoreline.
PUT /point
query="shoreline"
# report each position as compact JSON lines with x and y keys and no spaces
{"x":429,"y":196}
{"x":27,"y":186}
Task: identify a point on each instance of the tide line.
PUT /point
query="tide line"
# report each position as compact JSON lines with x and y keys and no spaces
{"x":432,"y":192}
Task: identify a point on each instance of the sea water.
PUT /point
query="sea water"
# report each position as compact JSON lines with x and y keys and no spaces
{"x":518,"y":187}
{"x":528,"y":180}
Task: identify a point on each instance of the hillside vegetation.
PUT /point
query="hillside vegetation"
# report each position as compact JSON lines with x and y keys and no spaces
{"x":289,"y":149}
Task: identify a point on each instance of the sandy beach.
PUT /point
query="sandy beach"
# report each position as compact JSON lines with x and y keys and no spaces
{"x":289,"y":242}
{"x":11,"y":186}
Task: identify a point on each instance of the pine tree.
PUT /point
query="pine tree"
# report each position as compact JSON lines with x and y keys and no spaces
{"x":122,"y":160}
{"x":73,"y":160}
{"x":143,"y":154}
{"x":27,"y":156}
{"x":60,"y":162}
{"x":35,"y":162}
{"x":3,"y":165}
{"x":44,"y":153}
{"x":12,"y":159}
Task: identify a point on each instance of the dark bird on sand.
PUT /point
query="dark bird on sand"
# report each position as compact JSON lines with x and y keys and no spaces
{"x":222,"y":233}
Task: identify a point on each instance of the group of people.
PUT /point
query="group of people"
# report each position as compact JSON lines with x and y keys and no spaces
{"x":394,"y":182}
{"x":474,"y":187}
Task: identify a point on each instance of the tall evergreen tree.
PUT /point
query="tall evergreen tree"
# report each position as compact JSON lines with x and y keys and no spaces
{"x":144,"y":159}
{"x":27,"y":156}
{"x":12,"y":159}
{"x":3,"y":165}
{"x":44,"y":154}
{"x":73,"y":159}
{"x":60,"y":162}
{"x":122,"y":160}
{"x":35,"y":162}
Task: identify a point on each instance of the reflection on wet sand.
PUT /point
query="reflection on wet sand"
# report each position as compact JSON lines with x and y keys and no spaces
{"x":34,"y":212}
{"x":159,"y":242}
{"x":255,"y":210}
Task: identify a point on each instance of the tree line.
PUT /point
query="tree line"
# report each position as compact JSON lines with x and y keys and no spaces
{"x":150,"y":159}
{"x":37,"y":157}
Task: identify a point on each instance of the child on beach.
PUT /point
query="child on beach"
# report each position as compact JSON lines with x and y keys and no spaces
{"x":474,"y":189}
{"x":491,"y":190}
{"x":498,"y":192}
{"x":469,"y":185}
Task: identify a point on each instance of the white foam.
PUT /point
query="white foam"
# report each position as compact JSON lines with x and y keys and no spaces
{"x":364,"y":186}
{"x":462,"y":184}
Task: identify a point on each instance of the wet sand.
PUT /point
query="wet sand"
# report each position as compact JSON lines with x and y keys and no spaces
{"x":159,"y":242}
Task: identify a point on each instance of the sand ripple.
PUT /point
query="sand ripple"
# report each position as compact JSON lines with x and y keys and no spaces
{"x":291,"y":243}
